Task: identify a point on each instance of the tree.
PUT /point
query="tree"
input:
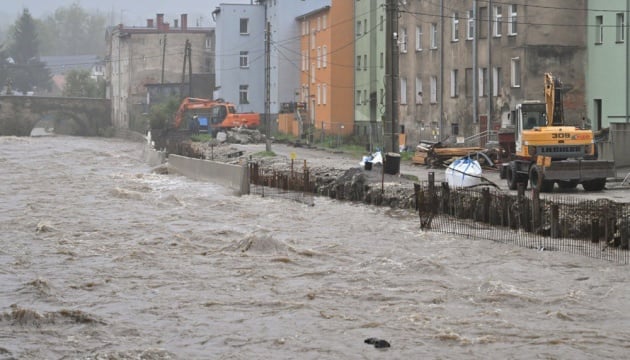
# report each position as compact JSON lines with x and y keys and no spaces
{"x":79,"y":83}
{"x":25,"y":70}
{"x":72,"y":31}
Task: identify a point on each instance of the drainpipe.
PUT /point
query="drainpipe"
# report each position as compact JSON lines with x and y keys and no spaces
{"x":441,"y":99}
{"x":475,"y":72}
{"x":627,"y":62}
{"x":490,"y":72}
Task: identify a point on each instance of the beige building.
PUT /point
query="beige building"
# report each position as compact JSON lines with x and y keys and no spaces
{"x":463,"y":68}
{"x":141,"y":57}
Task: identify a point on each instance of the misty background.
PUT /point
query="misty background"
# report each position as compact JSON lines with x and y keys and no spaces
{"x":97,"y":16}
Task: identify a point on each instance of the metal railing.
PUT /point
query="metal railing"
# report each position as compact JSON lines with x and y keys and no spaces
{"x":598,"y":229}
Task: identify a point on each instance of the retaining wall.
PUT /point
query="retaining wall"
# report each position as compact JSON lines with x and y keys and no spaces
{"x":232,"y":176}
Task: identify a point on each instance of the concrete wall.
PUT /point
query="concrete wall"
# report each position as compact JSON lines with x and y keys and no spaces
{"x":234,"y":177}
{"x":615,"y":147}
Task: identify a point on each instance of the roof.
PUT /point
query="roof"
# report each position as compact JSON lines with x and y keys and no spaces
{"x":62,"y":64}
{"x":314,"y":12}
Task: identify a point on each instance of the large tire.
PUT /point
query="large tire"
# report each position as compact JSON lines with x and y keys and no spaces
{"x":512,"y":177}
{"x":594,"y":185}
{"x":536,"y":176}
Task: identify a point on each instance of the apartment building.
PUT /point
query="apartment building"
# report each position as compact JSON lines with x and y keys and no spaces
{"x":369,"y":71}
{"x":465,"y":64}
{"x":608,"y":65}
{"x":141,"y":56}
{"x":327,"y":78}
{"x":241,"y":52}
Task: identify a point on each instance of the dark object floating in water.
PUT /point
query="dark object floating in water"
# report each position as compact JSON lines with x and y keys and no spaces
{"x":379,"y":344}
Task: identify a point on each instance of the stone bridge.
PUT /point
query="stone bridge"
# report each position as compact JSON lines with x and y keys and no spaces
{"x":68,"y":116}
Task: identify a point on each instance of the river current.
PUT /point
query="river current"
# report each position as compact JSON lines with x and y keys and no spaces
{"x":100,"y":258}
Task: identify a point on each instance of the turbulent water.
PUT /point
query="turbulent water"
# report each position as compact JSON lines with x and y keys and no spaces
{"x":103,"y":259}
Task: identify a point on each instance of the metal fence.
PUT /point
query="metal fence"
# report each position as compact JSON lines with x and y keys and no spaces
{"x":598,"y":229}
{"x":292,"y":185}
{"x":595,"y":228}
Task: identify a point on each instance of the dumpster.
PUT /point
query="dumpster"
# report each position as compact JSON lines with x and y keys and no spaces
{"x":392,"y":163}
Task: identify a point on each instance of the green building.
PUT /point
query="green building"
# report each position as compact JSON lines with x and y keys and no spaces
{"x":369,"y":98}
{"x":607,"y":75}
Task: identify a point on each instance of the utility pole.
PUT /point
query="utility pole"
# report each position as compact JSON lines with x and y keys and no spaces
{"x":267,"y":86}
{"x":390,"y":124}
{"x":187,"y":61}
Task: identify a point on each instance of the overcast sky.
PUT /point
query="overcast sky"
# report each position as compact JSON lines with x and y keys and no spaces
{"x":132,"y":12}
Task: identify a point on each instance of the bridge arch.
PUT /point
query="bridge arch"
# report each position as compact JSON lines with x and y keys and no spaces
{"x":70,"y":116}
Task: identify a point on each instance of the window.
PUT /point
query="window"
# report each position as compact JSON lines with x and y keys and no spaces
{"x":304,"y":62}
{"x":621,"y":25}
{"x":244,"y":26}
{"x":358,"y":96}
{"x":434,"y":33}
{"x":496,"y":23}
{"x":359,"y":28}
{"x":403,"y":40}
{"x":483,"y":77}
{"x":319,"y":57}
{"x":209,"y":43}
{"x":312,"y":40}
{"x":312,"y":73}
{"x":418,"y":38}
{"x":365,"y":62}
{"x":324,"y":56}
{"x":365,"y":97}
{"x":358,"y":62}
{"x":470,"y":29}
{"x":454,"y":92}
{"x":382,"y":96}
{"x":403,"y":91}
{"x":381,"y":23}
{"x":496,"y":81}
{"x":365,"y":27}
{"x":244,"y":59}
{"x":468,"y":79}
{"x":455,"y":27}
{"x":319,"y":94}
{"x":242,"y":94}
{"x":599,"y":26}
{"x":516,"y":72}
{"x":324,"y":93}
{"x":418,"y":90}
{"x":319,"y":24}
{"x":382,"y":60}
{"x":512,"y":20}
{"x":324,"y":21}
{"x":433,"y":89}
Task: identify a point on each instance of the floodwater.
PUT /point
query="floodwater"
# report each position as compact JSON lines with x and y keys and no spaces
{"x":103,"y":259}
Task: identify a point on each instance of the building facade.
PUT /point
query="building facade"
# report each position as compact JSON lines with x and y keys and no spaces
{"x":464,"y":67}
{"x":153,"y":54}
{"x":327,"y":79}
{"x":240,"y":55}
{"x":608,"y":77}
{"x":369,"y":58}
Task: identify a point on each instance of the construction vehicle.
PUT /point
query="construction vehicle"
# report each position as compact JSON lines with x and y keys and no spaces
{"x":211,"y":116}
{"x":545,"y":151}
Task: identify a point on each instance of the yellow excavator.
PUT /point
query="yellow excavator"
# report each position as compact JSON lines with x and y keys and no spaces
{"x":546,"y":151}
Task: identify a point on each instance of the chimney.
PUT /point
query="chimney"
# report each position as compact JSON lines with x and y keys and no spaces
{"x":160,"y":21}
{"x":150,"y":23}
{"x":184,"y":22}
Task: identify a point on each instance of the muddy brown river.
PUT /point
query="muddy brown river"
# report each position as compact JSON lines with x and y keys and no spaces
{"x":102,"y":259}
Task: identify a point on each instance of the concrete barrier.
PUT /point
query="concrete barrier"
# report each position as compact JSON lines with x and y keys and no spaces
{"x":153,"y":157}
{"x":232,"y":176}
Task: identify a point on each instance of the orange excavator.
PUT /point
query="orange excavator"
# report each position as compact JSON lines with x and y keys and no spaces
{"x":211,"y":116}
